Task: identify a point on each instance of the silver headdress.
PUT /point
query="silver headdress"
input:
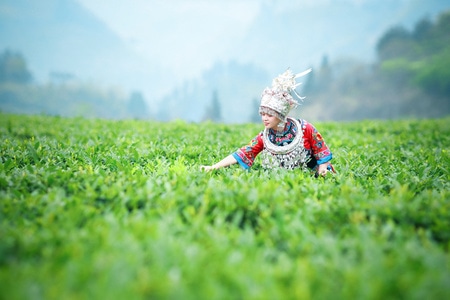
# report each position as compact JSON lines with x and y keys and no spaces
{"x":278,"y":98}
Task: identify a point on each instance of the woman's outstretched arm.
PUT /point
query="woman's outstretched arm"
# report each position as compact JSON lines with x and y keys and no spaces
{"x":227,"y":161}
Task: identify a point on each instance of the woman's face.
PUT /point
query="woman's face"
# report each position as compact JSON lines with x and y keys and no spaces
{"x":269,"y":121}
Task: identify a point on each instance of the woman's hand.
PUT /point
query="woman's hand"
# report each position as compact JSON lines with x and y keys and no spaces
{"x":207,"y":168}
{"x":227,"y":161}
{"x":322,"y":169}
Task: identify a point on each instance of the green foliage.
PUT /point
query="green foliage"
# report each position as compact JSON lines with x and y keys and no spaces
{"x":420,"y":58}
{"x":435,"y":76}
{"x":119,"y":209}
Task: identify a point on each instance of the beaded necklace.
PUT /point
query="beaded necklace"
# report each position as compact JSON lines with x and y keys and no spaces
{"x":290,"y":156}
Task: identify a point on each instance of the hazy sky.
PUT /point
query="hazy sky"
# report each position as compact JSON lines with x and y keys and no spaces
{"x":202,"y":30}
{"x":169,"y":31}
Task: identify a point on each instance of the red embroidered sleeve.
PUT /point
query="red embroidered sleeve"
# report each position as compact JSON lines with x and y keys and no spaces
{"x":314,"y":141}
{"x":247,"y":154}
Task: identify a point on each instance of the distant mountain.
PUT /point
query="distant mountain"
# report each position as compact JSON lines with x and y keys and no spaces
{"x":60,"y":36}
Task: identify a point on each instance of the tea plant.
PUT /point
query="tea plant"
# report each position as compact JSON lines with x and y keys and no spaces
{"x":119,"y":209}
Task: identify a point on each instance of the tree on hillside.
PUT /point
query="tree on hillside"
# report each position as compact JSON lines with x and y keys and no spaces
{"x":213,"y":111}
{"x":394,"y":43}
{"x":439,"y":36}
{"x":254,"y":111}
{"x":13,"y":68}
{"x":422,"y":29}
{"x":137,"y":108}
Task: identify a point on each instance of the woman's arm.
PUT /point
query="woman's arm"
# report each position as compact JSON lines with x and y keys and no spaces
{"x":316,"y":143}
{"x":227,"y":161}
{"x":244,"y":155}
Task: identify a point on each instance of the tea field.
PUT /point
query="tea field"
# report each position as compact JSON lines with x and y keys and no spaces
{"x":97,"y":209}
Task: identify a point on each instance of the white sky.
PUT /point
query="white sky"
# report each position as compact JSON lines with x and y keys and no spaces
{"x":185,"y":37}
{"x":172,"y":31}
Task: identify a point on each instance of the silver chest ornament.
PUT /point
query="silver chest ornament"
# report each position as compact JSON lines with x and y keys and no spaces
{"x":290,"y":156}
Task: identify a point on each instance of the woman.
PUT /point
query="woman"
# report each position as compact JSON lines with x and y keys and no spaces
{"x":285,"y":142}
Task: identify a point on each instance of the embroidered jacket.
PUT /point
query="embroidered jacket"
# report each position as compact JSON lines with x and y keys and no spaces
{"x":313,"y":142}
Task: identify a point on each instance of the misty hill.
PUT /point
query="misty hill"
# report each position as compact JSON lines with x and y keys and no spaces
{"x":61,"y":38}
{"x":289,"y":38}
